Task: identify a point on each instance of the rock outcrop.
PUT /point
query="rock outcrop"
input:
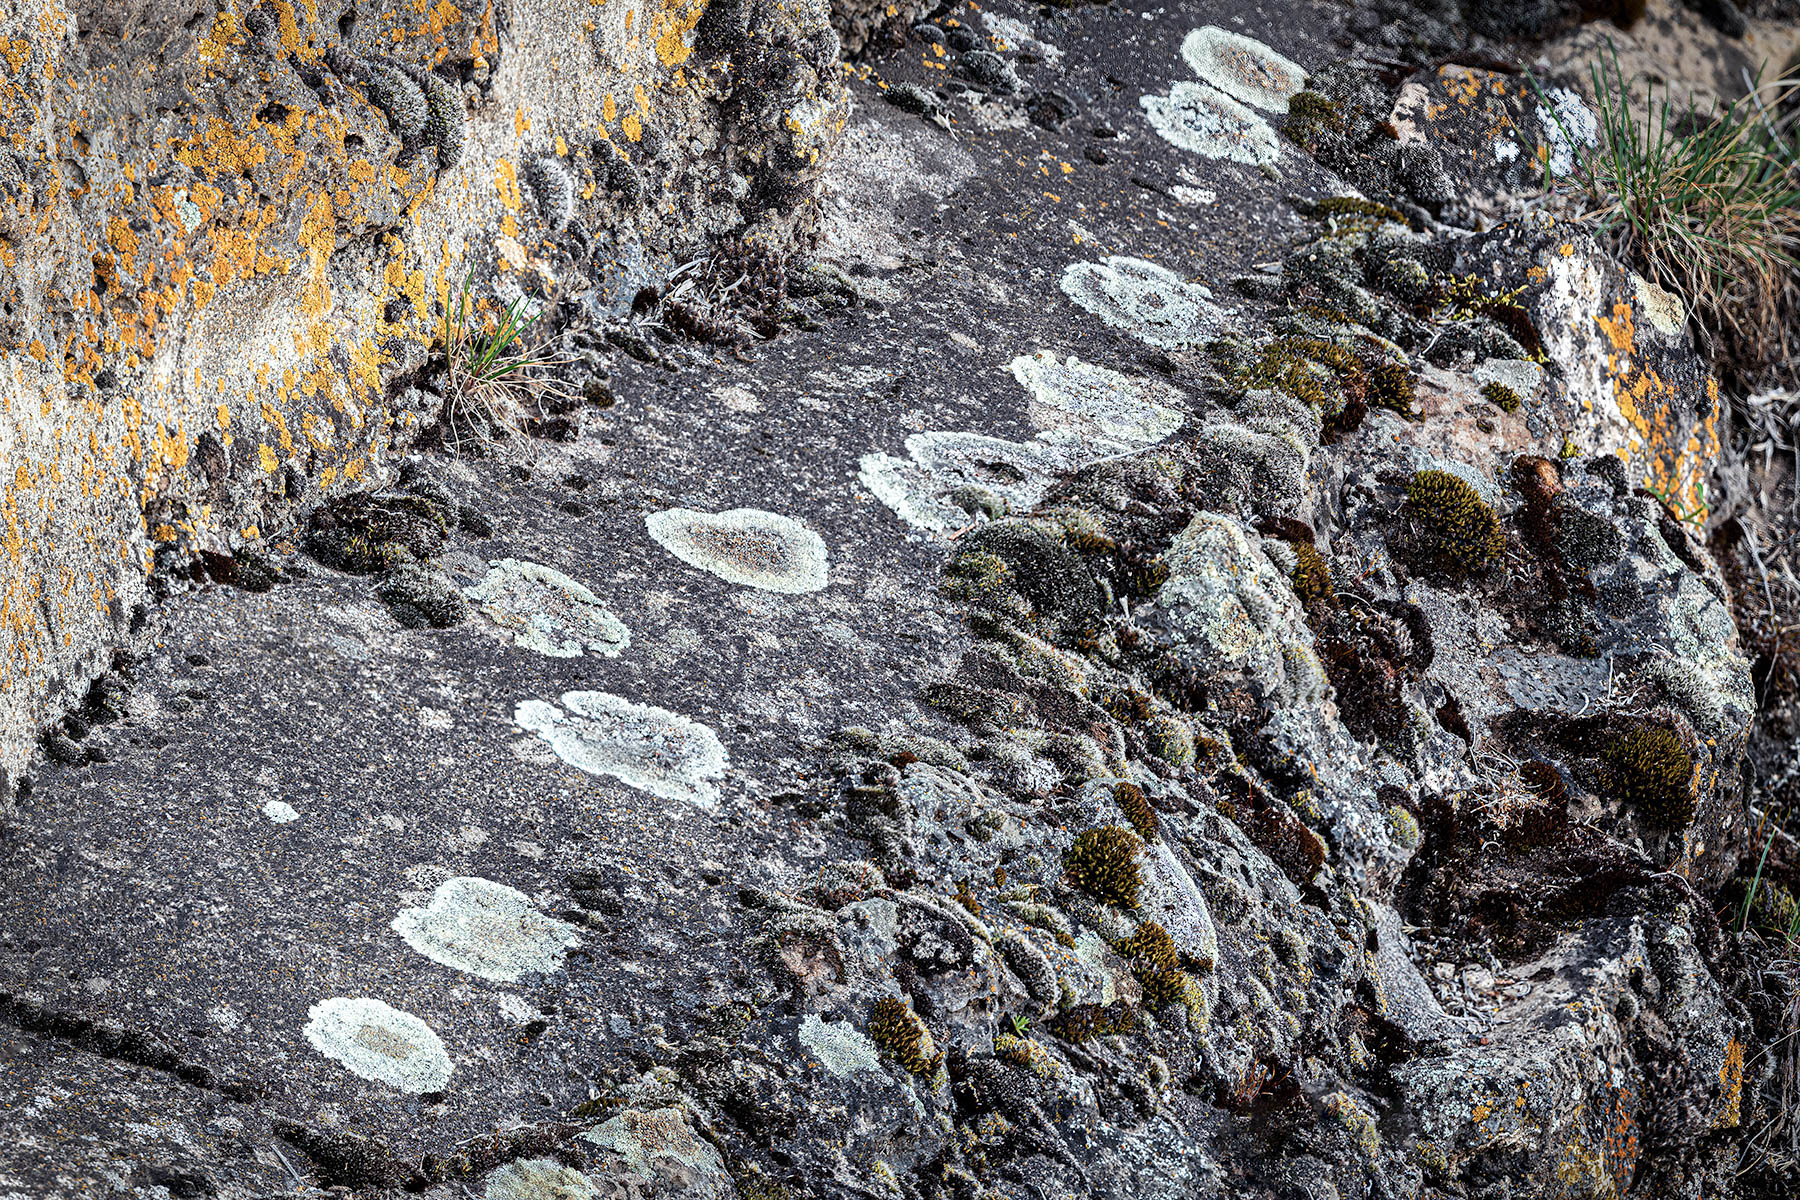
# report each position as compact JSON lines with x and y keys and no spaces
{"x":1172,"y":655}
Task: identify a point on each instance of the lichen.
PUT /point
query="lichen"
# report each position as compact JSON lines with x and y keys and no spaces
{"x":744,"y":546}
{"x":376,"y":1041}
{"x":1104,"y":863}
{"x":649,"y":748}
{"x":485,"y":929}
{"x":1459,"y":534}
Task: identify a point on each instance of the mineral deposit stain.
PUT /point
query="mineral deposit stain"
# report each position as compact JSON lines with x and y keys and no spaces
{"x":649,"y":748}
{"x":546,"y":612}
{"x":744,"y":546}
{"x":486,"y":929}
{"x":376,"y":1041}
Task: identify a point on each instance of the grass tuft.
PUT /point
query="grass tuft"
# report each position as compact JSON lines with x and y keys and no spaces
{"x":1706,"y":204}
{"x":494,"y":375}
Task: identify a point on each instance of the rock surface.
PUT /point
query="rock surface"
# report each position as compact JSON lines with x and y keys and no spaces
{"x":1186,"y":669}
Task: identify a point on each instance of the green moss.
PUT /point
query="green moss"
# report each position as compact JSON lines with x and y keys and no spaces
{"x":897,"y":1030}
{"x":419,"y":596}
{"x":1026,"y":1053}
{"x":1648,"y":768}
{"x":1403,"y":826}
{"x":1357,"y":1119}
{"x":1131,"y":801}
{"x":978,"y":502}
{"x":984,"y":580}
{"x":1501,"y":397}
{"x":1390,"y":386}
{"x":1459,"y":533}
{"x":1169,"y":738}
{"x":1312,"y":576}
{"x":1081,"y":1022}
{"x":1103,"y":862}
{"x":1311,"y":117}
{"x":1156,"y":962}
{"x":1356,"y":206}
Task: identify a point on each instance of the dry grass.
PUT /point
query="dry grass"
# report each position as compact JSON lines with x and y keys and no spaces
{"x":494,"y":376}
{"x":1706,"y":204}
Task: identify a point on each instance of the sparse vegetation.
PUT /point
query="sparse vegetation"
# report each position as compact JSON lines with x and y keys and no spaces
{"x":492,"y":373}
{"x":1707,"y":205}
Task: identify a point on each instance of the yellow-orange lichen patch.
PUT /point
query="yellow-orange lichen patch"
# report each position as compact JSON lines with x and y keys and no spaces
{"x":222,"y":150}
{"x":1731,"y":1086}
{"x":1674,"y":459}
{"x":673,"y":30}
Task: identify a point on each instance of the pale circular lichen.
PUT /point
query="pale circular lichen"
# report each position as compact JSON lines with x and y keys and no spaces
{"x":648,"y":748}
{"x":538,"y":1179}
{"x":1243,"y":68}
{"x":546,"y":612}
{"x":744,"y":546}
{"x":486,"y":929}
{"x":1206,"y":121}
{"x":840,"y":1046}
{"x":280,"y":812}
{"x":1089,"y":406}
{"x":376,"y":1041}
{"x":1145,"y":299}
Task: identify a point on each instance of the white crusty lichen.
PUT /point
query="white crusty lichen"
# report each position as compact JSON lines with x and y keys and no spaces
{"x":487,"y":929}
{"x":1145,"y":299}
{"x":1243,"y":68}
{"x":1082,"y":404}
{"x":649,"y":748}
{"x":538,"y":1179}
{"x":1206,"y":121}
{"x":546,"y":612}
{"x":376,"y":1041}
{"x":840,"y":1047}
{"x":744,"y":546}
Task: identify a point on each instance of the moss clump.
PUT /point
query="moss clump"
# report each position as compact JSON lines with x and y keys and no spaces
{"x":419,"y":596}
{"x":1157,"y":964}
{"x":897,"y":1030}
{"x":1169,"y":738}
{"x":1310,"y":118}
{"x":1390,"y":386}
{"x":1080,"y":1022}
{"x":367,"y":533}
{"x":1649,"y":768}
{"x":1130,"y":799}
{"x":1026,"y":1053}
{"x":1103,"y":862}
{"x":1460,"y":534}
{"x":1403,"y":826}
{"x":1312,"y":576}
{"x":1501,"y":397}
{"x":1356,"y":206}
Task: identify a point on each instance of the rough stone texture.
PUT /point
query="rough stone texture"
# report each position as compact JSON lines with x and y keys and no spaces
{"x":229,"y":232}
{"x":1161,"y":793}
